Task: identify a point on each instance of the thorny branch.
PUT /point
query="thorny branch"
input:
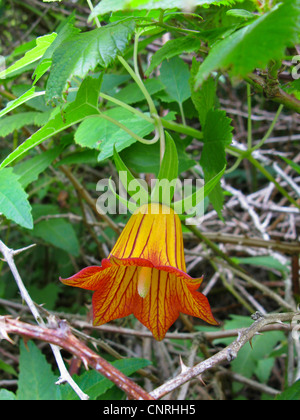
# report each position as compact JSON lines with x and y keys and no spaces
{"x":9,"y":258}
{"x":61,"y":336}
{"x":227,"y":354}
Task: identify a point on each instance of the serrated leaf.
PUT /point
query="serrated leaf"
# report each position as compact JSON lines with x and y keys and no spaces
{"x":42,"y":44}
{"x":79,"y":54}
{"x":36,"y":379}
{"x":204,"y":98}
{"x":255,"y":44}
{"x":217,"y":134}
{"x":86,"y":104}
{"x":59,"y":233}
{"x":65,"y":31}
{"x":107,"y":6}
{"x":15,"y":122}
{"x":14,"y":204}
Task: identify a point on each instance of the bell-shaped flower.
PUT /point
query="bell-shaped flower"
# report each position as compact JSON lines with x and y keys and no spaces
{"x":144,"y":275}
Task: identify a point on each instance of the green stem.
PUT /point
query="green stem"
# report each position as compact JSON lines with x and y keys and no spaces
{"x":126,"y":106}
{"x":268,"y":133}
{"x":98,"y":24}
{"x":249,"y":116}
{"x":182,"y":129}
{"x":140,"y":84}
{"x":131,"y":133}
{"x":182,"y":113}
{"x":135,"y":55}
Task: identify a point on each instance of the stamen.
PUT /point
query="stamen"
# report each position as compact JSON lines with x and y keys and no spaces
{"x":144,"y":280}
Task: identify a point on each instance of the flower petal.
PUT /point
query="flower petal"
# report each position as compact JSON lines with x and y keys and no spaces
{"x":152,"y":233}
{"x":157,"y":311}
{"x":115,"y":297}
{"x":90,"y":277}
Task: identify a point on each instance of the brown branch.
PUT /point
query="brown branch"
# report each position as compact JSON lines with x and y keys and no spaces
{"x":280,"y":246}
{"x":61,"y":336}
{"x":273,"y":92}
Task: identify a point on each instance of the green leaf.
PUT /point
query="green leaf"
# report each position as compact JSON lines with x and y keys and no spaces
{"x":29,"y":170}
{"x":173,"y":48}
{"x":94,"y":384}
{"x":241,"y":13}
{"x":15,"y":122}
{"x":250,"y":358}
{"x":107,"y":6}
{"x":131,"y":93}
{"x":121,"y":167}
{"x":163,"y":191}
{"x":7,"y":395}
{"x":292,"y":393}
{"x":86,"y":104}
{"x":36,"y":379}
{"x":30,"y":94}
{"x":81,"y":53}
{"x":292,"y":164}
{"x":65,"y":31}
{"x":59,"y":233}
{"x":255,"y":44}
{"x":266,"y":261}
{"x":184,"y":205}
{"x":7,"y":368}
{"x":14,"y":204}
{"x":175,"y":75}
{"x":45,"y":296}
{"x":217,"y":134}
{"x":42,"y":44}
{"x":204,"y":98}
{"x":146,"y":158}
{"x":98,"y":133}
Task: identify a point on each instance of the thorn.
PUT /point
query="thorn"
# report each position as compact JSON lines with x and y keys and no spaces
{"x":201,"y":380}
{"x":5,"y":336}
{"x":85,"y":362}
{"x":183,"y":367}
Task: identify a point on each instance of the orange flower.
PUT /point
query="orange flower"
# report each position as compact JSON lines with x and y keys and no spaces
{"x":144,"y":275}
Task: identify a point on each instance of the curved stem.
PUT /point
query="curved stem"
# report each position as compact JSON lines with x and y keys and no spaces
{"x":268,"y":133}
{"x":234,"y":166}
{"x":98,"y":24}
{"x":131,"y":133}
{"x":140,"y":84}
{"x":126,"y":106}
